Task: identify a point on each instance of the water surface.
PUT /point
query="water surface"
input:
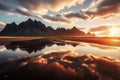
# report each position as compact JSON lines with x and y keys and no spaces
{"x":23,"y":49}
{"x":52,"y":59}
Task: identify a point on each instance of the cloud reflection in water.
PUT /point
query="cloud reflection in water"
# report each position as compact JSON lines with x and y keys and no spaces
{"x":62,"y":65}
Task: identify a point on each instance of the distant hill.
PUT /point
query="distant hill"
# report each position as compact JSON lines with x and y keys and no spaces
{"x":37,"y":28}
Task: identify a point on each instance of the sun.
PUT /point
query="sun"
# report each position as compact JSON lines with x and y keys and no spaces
{"x":114,"y":32}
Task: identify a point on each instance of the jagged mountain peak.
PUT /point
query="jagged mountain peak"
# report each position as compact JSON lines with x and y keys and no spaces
{"x":29,"y":20}
{"x":14,"y":23}
{"x":75,"y":28}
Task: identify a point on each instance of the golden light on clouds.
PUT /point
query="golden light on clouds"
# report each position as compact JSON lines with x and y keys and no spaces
{"x":112,"y":30}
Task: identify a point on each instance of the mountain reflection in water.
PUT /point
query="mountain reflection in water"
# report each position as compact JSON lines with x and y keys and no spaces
{"x":35,"y":45}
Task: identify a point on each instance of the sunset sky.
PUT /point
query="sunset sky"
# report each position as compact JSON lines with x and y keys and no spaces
{"x":98,"y":16}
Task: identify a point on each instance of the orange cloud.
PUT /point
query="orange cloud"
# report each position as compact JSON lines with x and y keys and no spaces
{"x":53,"y":5}
{"x":106,"y":30}
{"x":99,"y":29}
{"x":103,"y":9}
{"x":57,"y":18}
{"x":2,"y":25}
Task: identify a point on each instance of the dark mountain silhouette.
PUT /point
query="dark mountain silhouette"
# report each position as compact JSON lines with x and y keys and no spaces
{"x":10,"y":29}
{"x":37,"y":28}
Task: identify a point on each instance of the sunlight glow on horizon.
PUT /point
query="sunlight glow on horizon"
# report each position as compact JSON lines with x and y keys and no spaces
{"x":114,"y":32}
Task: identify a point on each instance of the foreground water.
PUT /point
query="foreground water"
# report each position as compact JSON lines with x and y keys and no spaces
{"x":75,"y":59}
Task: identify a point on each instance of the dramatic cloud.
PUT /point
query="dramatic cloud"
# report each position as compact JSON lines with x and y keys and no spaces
{"x":57,"y":18}
{"x":39,"y":7}
{"x":68,"y":17}
{"x":101,"y":31}
{"x":98,"y":29}
{"x":103,"y":9}
{"x":4,"y":7}
{"x":42,"y":8}
{"x":23,"y":11}
{"x":98,"y":9}
{"x":75,"y":15}
{"x":53,"y":5}
{"x":62,"y":65}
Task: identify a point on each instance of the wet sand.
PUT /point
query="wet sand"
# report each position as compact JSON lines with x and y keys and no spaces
{"x":100,"y":40}
{"x":17,"y":38}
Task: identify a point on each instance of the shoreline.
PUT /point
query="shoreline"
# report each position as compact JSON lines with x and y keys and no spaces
{"x":98,"y":40}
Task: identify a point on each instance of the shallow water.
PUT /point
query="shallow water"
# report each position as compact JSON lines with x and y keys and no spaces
{"x":23,"y":49}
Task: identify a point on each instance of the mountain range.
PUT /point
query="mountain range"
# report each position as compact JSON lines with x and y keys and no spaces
{"x":37,"y":28}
